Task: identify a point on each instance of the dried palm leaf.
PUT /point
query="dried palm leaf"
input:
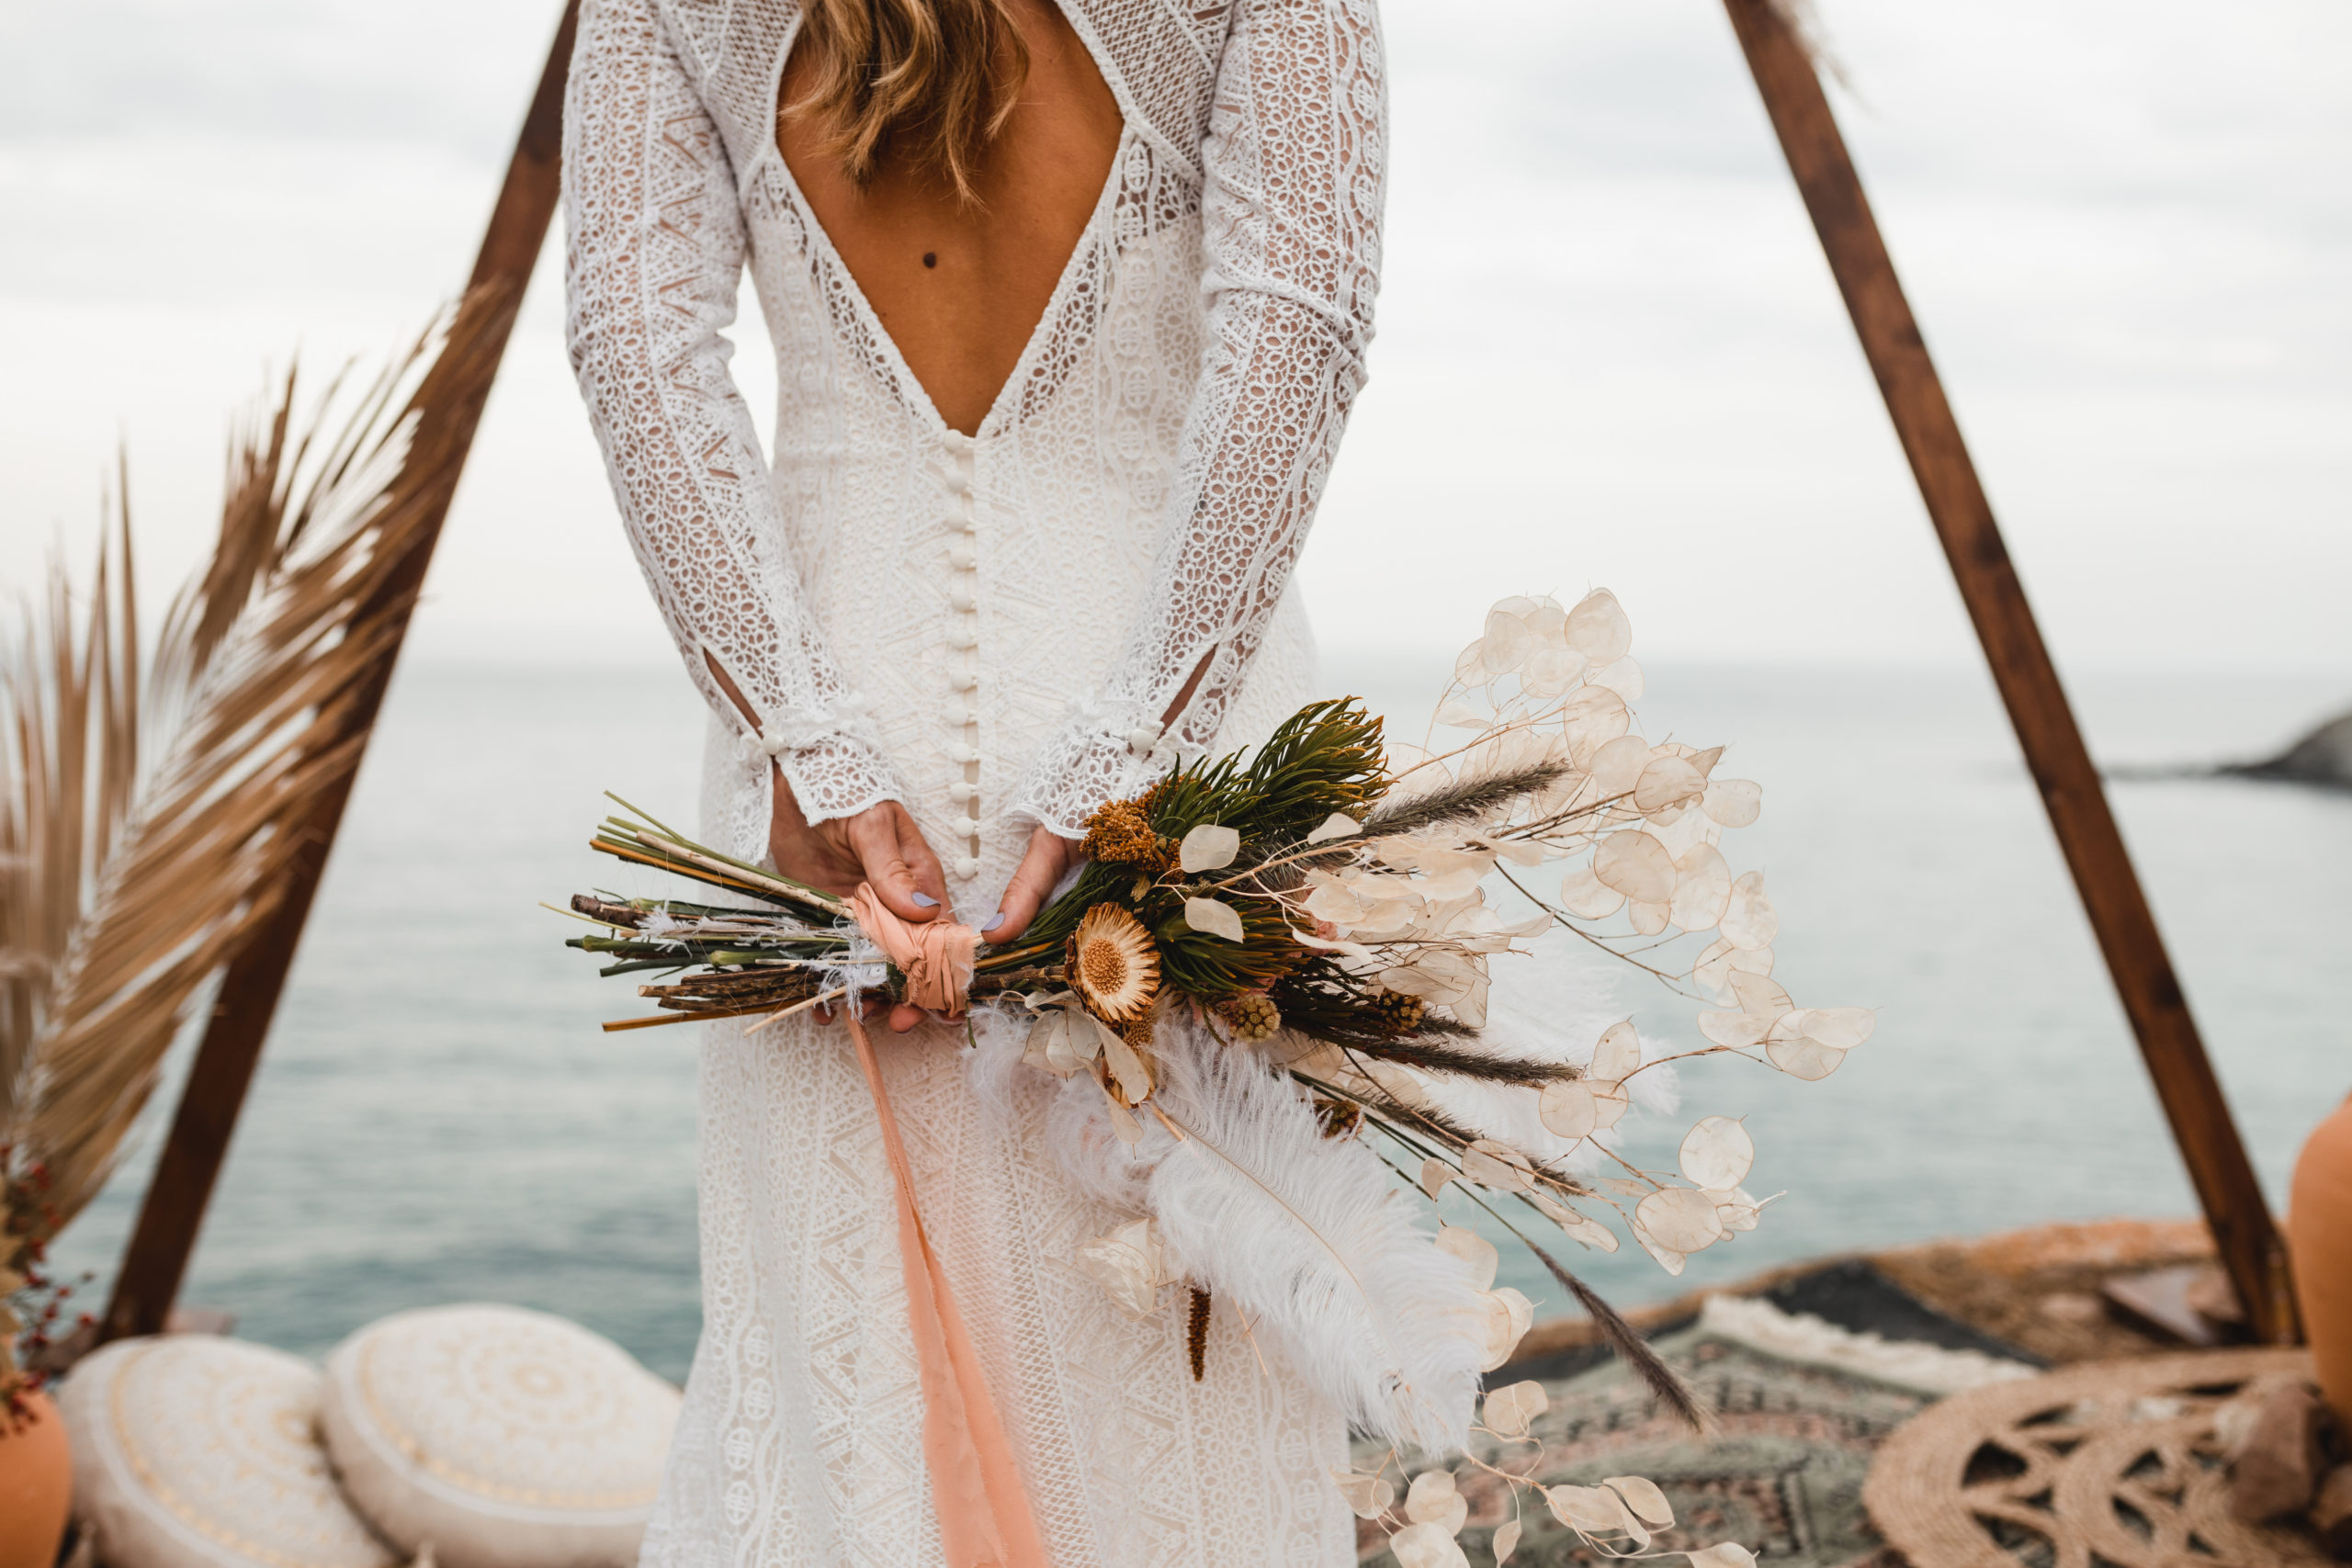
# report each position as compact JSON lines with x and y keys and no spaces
{"x":71,"y":754}
{"x":151,"y":814}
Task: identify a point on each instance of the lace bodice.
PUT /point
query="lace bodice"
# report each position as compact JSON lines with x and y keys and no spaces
{"x":901,"y":606}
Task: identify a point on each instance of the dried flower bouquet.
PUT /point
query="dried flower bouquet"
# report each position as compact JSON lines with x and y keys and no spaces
{"x":1268,"y":994}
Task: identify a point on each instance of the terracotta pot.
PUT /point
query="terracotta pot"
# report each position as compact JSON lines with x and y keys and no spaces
{"x":35,"y":1486}
{"x":2319,"y":1243}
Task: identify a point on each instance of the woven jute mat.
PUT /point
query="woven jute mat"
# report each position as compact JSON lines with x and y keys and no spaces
{"x":2110,"y":1463}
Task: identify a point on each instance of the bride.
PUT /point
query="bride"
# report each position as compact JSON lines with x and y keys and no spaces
{"x":1069,"y":303}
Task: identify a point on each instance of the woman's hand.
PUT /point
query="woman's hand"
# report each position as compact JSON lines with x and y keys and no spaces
{"x":1032,"y":883}
{"x":880,"y":846}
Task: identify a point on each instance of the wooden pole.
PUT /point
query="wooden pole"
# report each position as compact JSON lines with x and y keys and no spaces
{"x":2248,"y":1242}
{"x":448,"y":404}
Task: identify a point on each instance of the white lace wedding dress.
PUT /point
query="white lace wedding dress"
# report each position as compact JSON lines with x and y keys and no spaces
{"x":990,"y":629}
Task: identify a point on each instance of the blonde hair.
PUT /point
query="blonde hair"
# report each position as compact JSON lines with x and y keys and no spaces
{"x":927,"y":81}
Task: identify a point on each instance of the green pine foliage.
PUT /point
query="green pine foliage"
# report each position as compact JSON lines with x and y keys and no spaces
{"x":1325,"y":758}
{"x":1209,"y":968}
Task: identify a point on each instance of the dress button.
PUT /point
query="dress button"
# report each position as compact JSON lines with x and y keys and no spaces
{"x":968,"y":866}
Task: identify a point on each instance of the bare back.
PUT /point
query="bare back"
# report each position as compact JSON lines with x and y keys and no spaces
{"x":960,"y":287}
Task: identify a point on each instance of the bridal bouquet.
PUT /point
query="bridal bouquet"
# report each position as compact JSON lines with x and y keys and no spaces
{"x":1271,"y":995}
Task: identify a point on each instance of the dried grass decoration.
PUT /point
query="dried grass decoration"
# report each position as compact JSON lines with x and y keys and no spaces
{"x":1310,"y":925}
{"x":151,"y":806}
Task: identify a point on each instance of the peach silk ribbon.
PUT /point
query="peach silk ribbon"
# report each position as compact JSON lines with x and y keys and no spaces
{"x":984,"y":1518}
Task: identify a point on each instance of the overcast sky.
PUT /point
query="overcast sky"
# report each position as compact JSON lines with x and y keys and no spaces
{"x":1609,"y":352}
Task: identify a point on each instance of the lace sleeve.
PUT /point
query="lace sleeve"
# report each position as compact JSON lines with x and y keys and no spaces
{"x":654,"y":252}
{"x":1291,"y":216}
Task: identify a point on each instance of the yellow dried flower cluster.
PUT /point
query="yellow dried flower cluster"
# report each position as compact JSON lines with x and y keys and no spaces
{"x":1339,"y":1117}
{"x":1120,"y":834}
{"x":1253,"y":1016}
{"x":1400,"y":1012}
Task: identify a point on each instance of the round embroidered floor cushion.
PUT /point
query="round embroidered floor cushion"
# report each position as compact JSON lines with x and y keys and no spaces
{"x":504,"y":1439}
{"x":194,"y":1451}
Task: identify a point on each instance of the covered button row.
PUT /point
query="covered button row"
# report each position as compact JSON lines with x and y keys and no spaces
{"x":963,"y":638}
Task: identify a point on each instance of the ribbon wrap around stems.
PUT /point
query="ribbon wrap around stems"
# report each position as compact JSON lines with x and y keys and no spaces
{"x":936,"y":957}
{"x":984,"y":1518}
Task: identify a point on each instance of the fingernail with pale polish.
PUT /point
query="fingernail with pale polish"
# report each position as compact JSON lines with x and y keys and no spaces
{"x":993,"y":924}
{"x":922,"y":900}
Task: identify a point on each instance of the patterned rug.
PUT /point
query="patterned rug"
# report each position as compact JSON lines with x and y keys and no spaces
{"x":1800,"y":1408}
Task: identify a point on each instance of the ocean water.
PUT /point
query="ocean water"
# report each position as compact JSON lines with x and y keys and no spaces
{"x":437,"y":1117}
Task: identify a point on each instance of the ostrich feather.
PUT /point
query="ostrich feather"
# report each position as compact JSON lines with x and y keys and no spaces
{"x":993,"y":1064}
{"x":1078,"y":1131}
{"x":1090,"y":1151}
{"x":1307,"y":1238}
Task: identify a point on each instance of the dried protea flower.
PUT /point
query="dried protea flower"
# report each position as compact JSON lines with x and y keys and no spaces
{"x":1112,"y":965}
{"x":1137,"y":1032}
{"x":1120,"y":834}
{"x":1253,"y":1015}
{"x":1400,"y":1012}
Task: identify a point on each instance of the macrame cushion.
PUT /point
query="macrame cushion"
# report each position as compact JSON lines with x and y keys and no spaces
{"x":193,"y":1451}
{"x":504,"y":1439}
